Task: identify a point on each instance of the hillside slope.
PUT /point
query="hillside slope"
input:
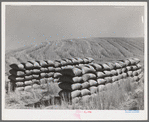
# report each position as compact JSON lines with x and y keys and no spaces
{"x":100,"y":49}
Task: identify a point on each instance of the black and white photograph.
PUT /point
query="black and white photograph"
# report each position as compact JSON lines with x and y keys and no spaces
{"x":77,"y":57}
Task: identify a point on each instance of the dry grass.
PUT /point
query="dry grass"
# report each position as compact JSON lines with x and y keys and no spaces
{"x":124,"y":94}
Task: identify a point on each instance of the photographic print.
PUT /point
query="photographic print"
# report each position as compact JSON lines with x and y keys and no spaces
{"x":71,"y":57}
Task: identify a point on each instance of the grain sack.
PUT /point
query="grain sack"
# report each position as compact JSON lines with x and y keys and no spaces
{"x":35,"y":76}
{"x":139,"y":71}
{"x":114,"y":72}
{"x":43,"y":63}
{"x":58,"y":69}
{"x":111,"y":65}
{"x":19,"y":89}
{"x":85,"y":85}
{"x":81,"y":65}
{"x":108,"y":79}
{"x":19,"y":84}
{"x":107,"y":73}
{"x":28,"y":65}
{"x":50,"y":74}
{"x":132,"y":61}
{"x":36,"y":71}
{"x":67,"y":67}
{"x":97,"y":67}
{"x":43,"y":81}
{"x":119,"y":71}
{"x":42,"y":75}
{"x":63,"y":63}
{"x":79,"y":60}
{"x":29,"y":77}
{"x":92,"y":82}
{"x":43,"y":69}
{"x":17,"y":66}
{"x":124,"y":75}
{"x":50,"y":63}
{"x":127,"y":62}
{"x":114,"y":78}
{"x":74,"y":61}
{"x":35,"y":64}
{"x":86,"y":61}
{"x":129,"y":73}
{"x":14,"y":78}
{"x":17,"y":73}
{"x":28,"y":82}
{"x":35,"y":81}
{"x":124,"y":69}
{"x":134,"y":67}
{"x":135,"y":73}
{"x":57,"y":75}
{"x":139,"y":66}
{"x":28,"y":88}
{"x":129,"y":68}
{"x":69,"y":61}
{"x":100,"y":74}
{"x":71,"y":87}
{"x":136,"y":60}
{"x":101,"y":81}
{"x":85,"y":92}
{"x":70,"y":79}
{"x":88,"y":70}
{"x":36,"y":86}
{"x":93,"y":89}
{"x":118,"y":65}
{"x":136,"y":78}
{"x":105,"y":67}
{"x":72,"y":72}
{"x":101,"y":88}
{"x":86,"y":98}
{"x":88,"y":76}
{"x":51,"y":69}
{"x":28,"y":72}
{"x":57,"y":63}
{"x":69,"y":94}
{"x":90,"y":59}
{"x":122,"y":63}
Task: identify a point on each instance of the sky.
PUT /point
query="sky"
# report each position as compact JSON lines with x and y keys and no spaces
{"x":28,"y":25}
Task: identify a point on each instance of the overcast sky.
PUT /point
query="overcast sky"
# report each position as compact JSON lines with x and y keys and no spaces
{"x":26,"y":25}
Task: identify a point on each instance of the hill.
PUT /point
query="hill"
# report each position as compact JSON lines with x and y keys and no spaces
{"x":100,"y":49}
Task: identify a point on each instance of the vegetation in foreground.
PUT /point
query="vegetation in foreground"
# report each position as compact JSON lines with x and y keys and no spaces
{"x":126,"y":94}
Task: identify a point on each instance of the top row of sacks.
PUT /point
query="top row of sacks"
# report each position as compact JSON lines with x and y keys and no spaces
{"x":57,"y":63}
{"x":116,"y":64}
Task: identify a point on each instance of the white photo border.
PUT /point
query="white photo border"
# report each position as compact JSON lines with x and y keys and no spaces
{"x":20,"y":114}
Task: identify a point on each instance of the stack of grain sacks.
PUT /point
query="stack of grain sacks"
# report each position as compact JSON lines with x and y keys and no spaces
{"x":134,"y":68}
{"x":72,"y":79}
{"x":17,"y":76}
{"x":31,"y":75}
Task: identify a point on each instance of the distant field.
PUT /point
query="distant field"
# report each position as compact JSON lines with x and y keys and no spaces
{"x":100,"y":49}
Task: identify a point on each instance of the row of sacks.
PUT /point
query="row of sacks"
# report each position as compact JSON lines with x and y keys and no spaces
{"x":30,"y":65}
{"x":22,"y":75}
{"x":131,"y":64}
{"x":33,"y":84}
